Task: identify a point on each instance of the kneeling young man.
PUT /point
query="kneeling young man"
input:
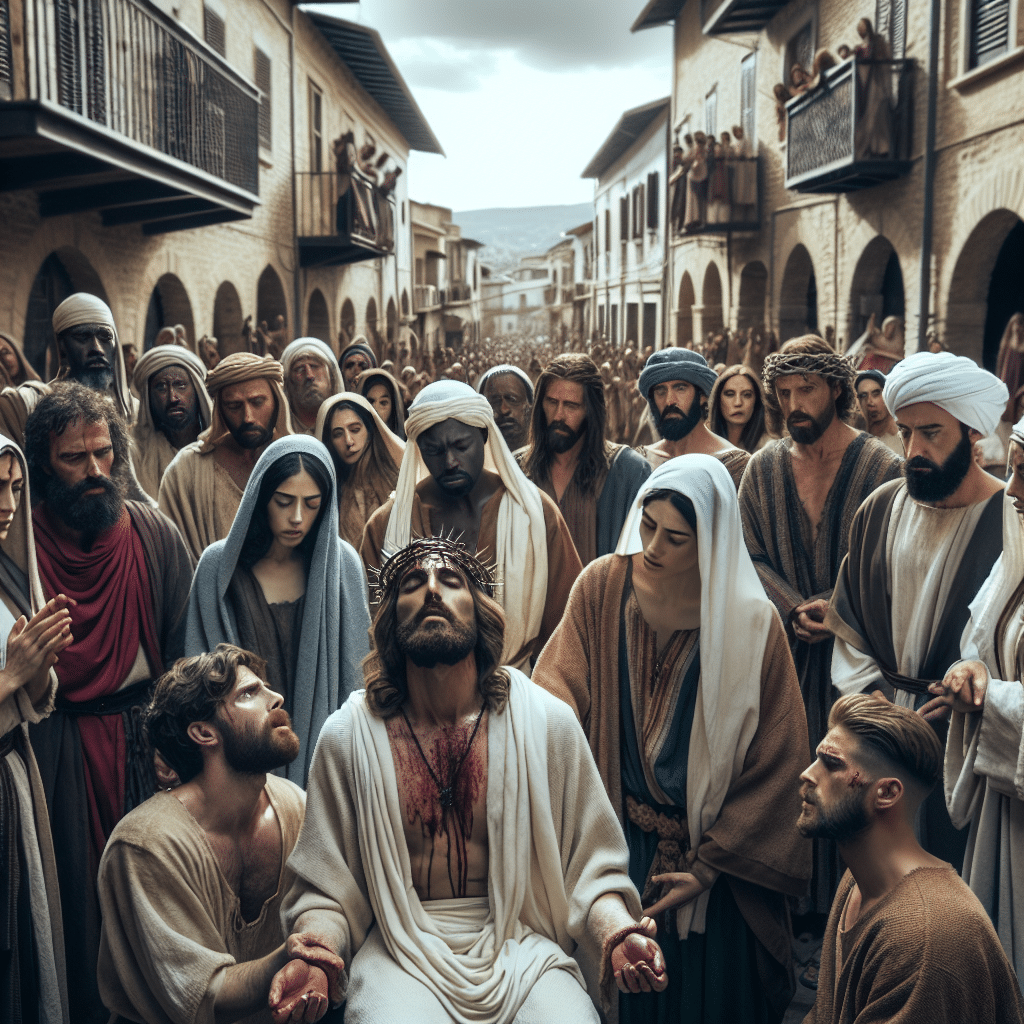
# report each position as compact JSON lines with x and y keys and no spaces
{"x":458,"y":842}
{"x":191,"y":881}
{"x":906,"y":941}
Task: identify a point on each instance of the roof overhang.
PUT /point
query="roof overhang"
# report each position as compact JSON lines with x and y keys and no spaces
{"x":363,"y":52}
{"x":657,"y":12}
{"x":631,"y":126}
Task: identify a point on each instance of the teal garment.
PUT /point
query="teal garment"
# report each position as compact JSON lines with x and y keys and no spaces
{"x":625,"y":475}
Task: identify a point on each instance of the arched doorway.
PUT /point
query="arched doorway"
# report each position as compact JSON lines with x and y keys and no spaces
{"x":318,"y":320}
{"x":348,"y":323}
{"x":405,"y":304}
{"x":684,"y":312}
{"x":753,"y":288}
{"x":169,"y":306}
{"x":877,"y":287}
{"x":270,"y":300}
{"x":64,"y":272}
{"x":227,"y":319}
{"x":798,"y":297}
{"x":392,"y":322}
{"x":711,"y":302}
{"x":372,"y":331}
{"x":987,"y":287}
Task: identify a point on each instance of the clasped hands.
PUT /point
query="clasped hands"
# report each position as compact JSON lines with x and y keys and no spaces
{"x":305,"y":987}
{"x":808,"y":620}
{"x":962,"y":689}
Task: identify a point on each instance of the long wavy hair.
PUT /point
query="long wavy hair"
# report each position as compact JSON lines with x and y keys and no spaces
{"x":594,"y":454}
{"x":754,"y":429}
{"x":384,"y":668}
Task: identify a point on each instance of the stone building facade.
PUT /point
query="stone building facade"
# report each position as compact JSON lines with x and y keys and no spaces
{"x":135,"y":202}
{"x":848,"y":237}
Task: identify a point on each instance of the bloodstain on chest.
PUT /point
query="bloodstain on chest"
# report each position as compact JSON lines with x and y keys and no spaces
{"x":446,"y":827}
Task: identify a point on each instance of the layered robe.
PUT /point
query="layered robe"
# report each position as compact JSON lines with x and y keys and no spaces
{"x":128,"y":627}
{"x":33,"y":986}
{"x":595,"y":520}
{"x":925,"y":952}
{"x":796,"y":566}
{"x":554,"y":848}
{"x":752,"y":855}
{"x":563,"y":562}
{"x":900,"y":605}
{"x":171,"y":922}
{"x":734,"y":459}
{"x":984,"y":769}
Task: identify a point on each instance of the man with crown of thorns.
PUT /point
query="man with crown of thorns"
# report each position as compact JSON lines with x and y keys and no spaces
{"x":458,"y":846}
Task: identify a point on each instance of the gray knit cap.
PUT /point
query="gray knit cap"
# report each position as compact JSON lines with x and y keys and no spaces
{"x":676,"y":364}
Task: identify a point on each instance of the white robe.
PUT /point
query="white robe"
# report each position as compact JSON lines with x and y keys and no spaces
{"x":555,"y":847}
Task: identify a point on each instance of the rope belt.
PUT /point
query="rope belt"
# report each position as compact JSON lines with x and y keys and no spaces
{"x":673,"y":842}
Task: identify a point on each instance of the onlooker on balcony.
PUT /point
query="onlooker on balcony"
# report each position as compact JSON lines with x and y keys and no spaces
{"x":744,"y":178}
{"x":873,"y":134}
{"x":355,"y":358}
{"x":311,"y":376}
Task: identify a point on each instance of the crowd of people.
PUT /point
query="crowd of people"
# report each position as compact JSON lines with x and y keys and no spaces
{"x":514,"y":686}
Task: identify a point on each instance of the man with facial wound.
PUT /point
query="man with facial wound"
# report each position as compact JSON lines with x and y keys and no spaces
{"x":458,"y":843}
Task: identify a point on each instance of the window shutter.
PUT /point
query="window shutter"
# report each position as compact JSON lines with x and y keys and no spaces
{"x":261,"y":73}
{"x":214,"y":31}
{"x":990,"y":30}
{"x":652,"y":201}
{"x":69,"y":60}
{"x":748,"y":99}
{"x":624,"y":218}
{"x":6,"y":64}
{"x":891,"y":22}
{"x":640,"y":214}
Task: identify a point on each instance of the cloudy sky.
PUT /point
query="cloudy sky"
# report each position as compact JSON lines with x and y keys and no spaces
{"x":520,"y":93}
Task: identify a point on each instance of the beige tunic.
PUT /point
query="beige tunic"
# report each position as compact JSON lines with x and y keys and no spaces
{"x":171,"y":922}
{"x":151,"y":457}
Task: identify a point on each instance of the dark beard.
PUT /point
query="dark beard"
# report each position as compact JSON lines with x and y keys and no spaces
{"x":676,"y":428}
{"x":90,"y":514}
{"x":167,"y":426}
{"x":309,"y":397}
{"x":255,"y":753}
{"x":943,"y":480}
{"x":560,"y":439}
{"x":98,"y":380}
{"x":251,"y":437}
{"x":808,"y":433}
{"x":844,"y":822}
{"x":436,"y":644}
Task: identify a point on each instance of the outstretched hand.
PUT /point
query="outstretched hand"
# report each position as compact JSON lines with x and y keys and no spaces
{"x":298,"y":993}
{"x":964,"y":687}
{"x":678,"y":888}
{"x":637,"y":962}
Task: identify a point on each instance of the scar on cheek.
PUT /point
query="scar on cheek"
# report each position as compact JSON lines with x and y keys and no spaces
{"x":855,"y":782}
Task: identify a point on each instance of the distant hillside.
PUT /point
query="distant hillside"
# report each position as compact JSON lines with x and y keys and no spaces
{"x":510,"y":233}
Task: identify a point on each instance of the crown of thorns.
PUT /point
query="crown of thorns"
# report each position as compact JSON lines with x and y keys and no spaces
{"x":430,"y":553}
{"x":833,"y":367}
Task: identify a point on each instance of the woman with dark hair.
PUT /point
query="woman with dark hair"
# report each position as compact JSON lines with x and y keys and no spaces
{"x":285,"y":586}
{"x":737,"y":409}
{"x":366,"y":457}
{"x":684,"y":719}
{"x":385,"y":395}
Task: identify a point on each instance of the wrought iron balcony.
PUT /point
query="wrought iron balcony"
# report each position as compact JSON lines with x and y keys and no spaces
{"x":729,"y":199}
{"x":111,"y":105}
{"x":854,"y":130}
{"x":343,"y":218}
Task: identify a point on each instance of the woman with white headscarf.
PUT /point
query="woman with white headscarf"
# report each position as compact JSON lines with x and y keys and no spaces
{"x":678,"y":667}
{"x":286,"y":587}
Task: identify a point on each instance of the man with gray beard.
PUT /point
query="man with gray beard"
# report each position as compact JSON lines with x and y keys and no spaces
{"x":127,"y":572}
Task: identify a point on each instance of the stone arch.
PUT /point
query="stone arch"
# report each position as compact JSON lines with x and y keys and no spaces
{"x":348,"y":323}
{"x":227,"y":319}
{"x":712,"y":318}
{"x":318,"y":320}
{"x":753,"y":290}
{"x":371,"y":320}
{"x":798,"y":296}
{"x":684,"y":312}
{"x":391,"y":321}
{"x":169,"y":305}
{"x":64,"y":271}
{"x":876,"y":287}
{"x":270,"y":299}
{"x":976,"y":312}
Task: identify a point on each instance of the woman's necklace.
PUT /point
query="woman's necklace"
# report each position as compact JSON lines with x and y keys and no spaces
{"x":446,"y":794}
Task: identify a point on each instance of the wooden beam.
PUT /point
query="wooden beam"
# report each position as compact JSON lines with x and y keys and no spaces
{"x":97,"y":197}
{"x":156,"y":211}
{"x":199,"y":220}
{"x":32,"y":171}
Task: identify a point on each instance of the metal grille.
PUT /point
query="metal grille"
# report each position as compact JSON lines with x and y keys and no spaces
{"x":990,"y":30}
{"x":95,"y":61}
{"x":6,"y":67}
{"x":821,"y":132}
{"x":261,"y":74}
{"x":69,"y":74}
{"x":214,"y":30}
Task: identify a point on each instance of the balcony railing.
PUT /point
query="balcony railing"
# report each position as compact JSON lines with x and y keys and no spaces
{"x":424,"y":296}
{"x":728,"y":199}
{"x":581,"y":290}
{"x":854,"y":130}
{"x":125,"y":66}
{"x":461,"y":291}
{"x":342,"y":218}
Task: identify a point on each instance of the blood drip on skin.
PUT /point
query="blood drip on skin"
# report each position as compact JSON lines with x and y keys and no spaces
{"x":855,"y":782}
{"x":452,"y":825}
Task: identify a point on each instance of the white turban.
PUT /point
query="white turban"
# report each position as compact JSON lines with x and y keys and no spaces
{"x":312,"y":347}
{"x":522,"y":551}
{"x":953,"y":383}
{"x":82,"y":308}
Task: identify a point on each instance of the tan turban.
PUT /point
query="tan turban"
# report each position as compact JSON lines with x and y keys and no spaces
{"x":83,"y":308}
{"x":239,"y":368}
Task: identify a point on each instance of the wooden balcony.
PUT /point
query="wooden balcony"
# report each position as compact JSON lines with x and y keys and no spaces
{"x":721,"y":217}
{"x":343,"y":218}
{"x":111,"y":105}
{"x":852,"y":132}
